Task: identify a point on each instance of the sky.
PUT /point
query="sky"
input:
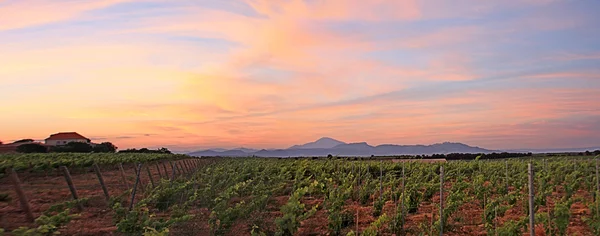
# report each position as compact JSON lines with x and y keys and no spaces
{"x":191,"y":74}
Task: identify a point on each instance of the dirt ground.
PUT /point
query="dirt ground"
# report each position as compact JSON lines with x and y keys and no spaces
{"x":48,"y":188}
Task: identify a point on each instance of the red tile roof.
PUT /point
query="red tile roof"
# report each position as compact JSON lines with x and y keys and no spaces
{"x":66,"y":135}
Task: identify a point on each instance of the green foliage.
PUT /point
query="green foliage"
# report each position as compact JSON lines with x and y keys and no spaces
{"x":375,"y":227}
{"x":562,"y":214}
{"x":153,"y":232}
{"x":337,"y":217}
{"x":378,"y":206}
{"x":47,"y":224}
{"x":512,"y":227}
{"x":294,"y":212}
{"x":50,"y":161}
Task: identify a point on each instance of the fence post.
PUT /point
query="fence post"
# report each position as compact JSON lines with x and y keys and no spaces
{"x":72,"y":188}
{"x":101,"y":180}
{"x":531,"y":201}
{"x":123,"y":175}
{"x":150,"y":176}
{"x":20,"y":194}
{"x":441,"y":200}
{"x":137,"y":180}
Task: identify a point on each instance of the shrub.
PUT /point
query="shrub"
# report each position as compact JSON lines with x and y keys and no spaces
{"x":32,"y":148}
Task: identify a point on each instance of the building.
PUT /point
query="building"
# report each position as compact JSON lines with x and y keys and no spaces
{"x":63,"y":138}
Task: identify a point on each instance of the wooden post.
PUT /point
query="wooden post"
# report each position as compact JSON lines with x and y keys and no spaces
{"x":123,"y":176}
{"x":150,"y":176}
{"x":67,"y":176}
{"x":101,"y":180}
{"x":531,"y":201}
{"x":441,"y":200}
{"x":158,"y":170}
{"x":20,"y":194}
{"x":137,"y":180}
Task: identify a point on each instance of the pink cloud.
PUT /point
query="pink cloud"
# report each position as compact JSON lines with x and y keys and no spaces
{"x":26,"y":13}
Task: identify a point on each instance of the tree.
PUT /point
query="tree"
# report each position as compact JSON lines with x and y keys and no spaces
{"x":164,"y":150}
{"x":1,"y":142}
{"x":32,"y":148}
{"x":105,"y":147}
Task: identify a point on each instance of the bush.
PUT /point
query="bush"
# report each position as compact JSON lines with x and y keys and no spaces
{"x":32,"y":148}
{"x":105,"y":147}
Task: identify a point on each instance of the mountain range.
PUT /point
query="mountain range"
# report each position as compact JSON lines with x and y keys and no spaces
{"x":325,"y":146}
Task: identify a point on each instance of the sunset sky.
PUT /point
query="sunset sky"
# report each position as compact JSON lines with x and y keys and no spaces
{"x":192,"y":74}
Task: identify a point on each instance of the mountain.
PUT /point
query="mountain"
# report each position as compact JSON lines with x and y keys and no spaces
{"x":324,"y":142}
{"x":326,"y":146}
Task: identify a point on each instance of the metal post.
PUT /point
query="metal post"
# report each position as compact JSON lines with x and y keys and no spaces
{"x":137,"y":180}
{"x":101,"y":180}
{"x":531,"y":201}
{"x":441,"y":200}
{"x":20,"y":194}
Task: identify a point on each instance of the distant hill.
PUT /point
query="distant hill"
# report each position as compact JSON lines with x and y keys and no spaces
{"x":324,"y":142}
{"x":326,"y":146}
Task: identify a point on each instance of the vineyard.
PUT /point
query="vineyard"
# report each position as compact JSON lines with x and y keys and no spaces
{"x":177,"y":195}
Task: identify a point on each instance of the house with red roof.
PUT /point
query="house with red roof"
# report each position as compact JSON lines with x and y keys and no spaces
{"x":63,"y":138}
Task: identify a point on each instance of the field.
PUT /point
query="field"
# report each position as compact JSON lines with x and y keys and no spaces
{"x":262,"y":196}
